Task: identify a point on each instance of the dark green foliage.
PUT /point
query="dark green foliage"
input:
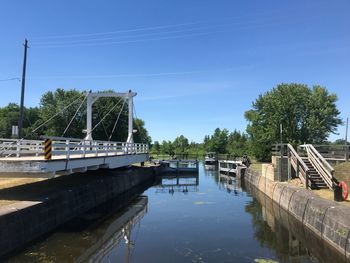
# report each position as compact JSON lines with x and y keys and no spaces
{"x":218,"y":141}
{"x":221,"y":142}
{"x":181,"y":144}
{"x":141,"y":136}
{"x":308,"y":115}
{"x":52,"y":103}
{"x":9,"y":116}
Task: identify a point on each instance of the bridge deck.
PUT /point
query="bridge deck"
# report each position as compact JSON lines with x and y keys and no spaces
{"x":25,"y":158}
{"x":60,"y":157}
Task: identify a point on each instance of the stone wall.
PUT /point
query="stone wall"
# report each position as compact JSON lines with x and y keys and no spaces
{"x":24,"y":221}
{"x":326,"y":219}
{"x":276,"y":162}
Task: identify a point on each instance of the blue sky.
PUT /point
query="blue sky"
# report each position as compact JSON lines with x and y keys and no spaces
{"x":196,"y":65}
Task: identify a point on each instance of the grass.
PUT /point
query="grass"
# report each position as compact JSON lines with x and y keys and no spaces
{"x":256,"y":166}
{"x":12,"y":182}
{"x":342,"y":172}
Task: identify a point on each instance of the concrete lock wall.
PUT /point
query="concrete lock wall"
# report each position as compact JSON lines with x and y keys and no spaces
{"x":24,"y":221}
{"x":327,"y":219}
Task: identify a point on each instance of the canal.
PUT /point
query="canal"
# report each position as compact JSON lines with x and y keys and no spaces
{"x":209,"y":218}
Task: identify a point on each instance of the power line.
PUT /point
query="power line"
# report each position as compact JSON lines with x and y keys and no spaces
{"x":113,"y":38}
{"x":84,"y":40}
{"x":128,"y":41}
{"x":119,"y":31}
{"x":97,"y":41}
{"x":270,"y":15}
{"x":155,"y":74}
{"x":19,"y":79}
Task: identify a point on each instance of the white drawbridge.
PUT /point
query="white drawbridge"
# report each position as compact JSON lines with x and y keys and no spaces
{"x":58,"y":155}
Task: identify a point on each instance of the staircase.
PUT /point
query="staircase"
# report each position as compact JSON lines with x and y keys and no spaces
{"x":315,"y":180}
{"x":312,"y":169}
{"x":320,"y":172}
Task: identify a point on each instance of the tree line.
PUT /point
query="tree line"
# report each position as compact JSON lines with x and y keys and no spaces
{"x":233,"y":143}
{"x":306,"y":115}
{"x":70,"y":108}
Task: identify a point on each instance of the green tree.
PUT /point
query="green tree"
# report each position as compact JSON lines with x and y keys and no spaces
{"x":141,"y":135}
{"x":57,"y":102}
{"x":155,"y":147}
{"x":9,"y":116}
{"x":105,"y":113}
{"x":217,"y":142}
{"x":167,"y":148}
{"x":180,"y":144}
{"x":237,"y":144}
{"x":53,"y":102}
{"x":308,"y":115}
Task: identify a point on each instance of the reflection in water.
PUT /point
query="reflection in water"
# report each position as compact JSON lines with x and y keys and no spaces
{"x":230,"y":184}
{"x":177,"y":183}
{"x":95,"y":236}
{"x":209,"y":220}
{"x":275,"y":228}
{"x":270,"y":233}
{"x":210,"y":167}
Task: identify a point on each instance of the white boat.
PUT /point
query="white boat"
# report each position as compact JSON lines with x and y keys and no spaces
{"x":211,"y":158}
{"x":229,"y":167}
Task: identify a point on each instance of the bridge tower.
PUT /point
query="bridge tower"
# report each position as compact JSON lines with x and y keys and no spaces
{"x":93,"y":97}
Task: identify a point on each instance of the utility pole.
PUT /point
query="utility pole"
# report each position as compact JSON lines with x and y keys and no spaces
{"x":346,"y":140}
{"x":21,"y":110}
{"x":281,"y":153}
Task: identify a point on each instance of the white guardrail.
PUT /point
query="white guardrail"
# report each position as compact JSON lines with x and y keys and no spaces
{"x":69,"y":148}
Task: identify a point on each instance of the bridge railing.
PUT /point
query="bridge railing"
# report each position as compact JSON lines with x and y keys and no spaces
{"x":15,"y":147}
{"x":69,"y":148}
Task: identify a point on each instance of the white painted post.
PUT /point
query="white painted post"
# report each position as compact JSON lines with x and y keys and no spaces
{"x":96,"y":150}
{"x":36,"y":149}
{"x":84,"y":148}
{"x":130,"y":118}
{"x":67,"y":149}
{"x":89,"y":102}
{"x":18,"y":148}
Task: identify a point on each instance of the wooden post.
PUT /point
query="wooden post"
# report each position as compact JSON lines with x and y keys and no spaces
{"x":307,"y":179}
{"x":21,"y":108}
{"x":346,"y":141}
{"x":297,"y":169}
{"x":289,"y":167}
{"x":280,"y":164}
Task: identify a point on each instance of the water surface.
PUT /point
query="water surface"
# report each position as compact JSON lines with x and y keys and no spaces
{"x":208,"y":218}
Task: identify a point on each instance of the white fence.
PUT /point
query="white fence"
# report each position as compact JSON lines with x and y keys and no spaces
{"x":69,"y":148}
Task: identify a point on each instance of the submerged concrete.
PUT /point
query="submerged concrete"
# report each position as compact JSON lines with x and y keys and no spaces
{"x":327,"y":220}
{"x":43,"y":206}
